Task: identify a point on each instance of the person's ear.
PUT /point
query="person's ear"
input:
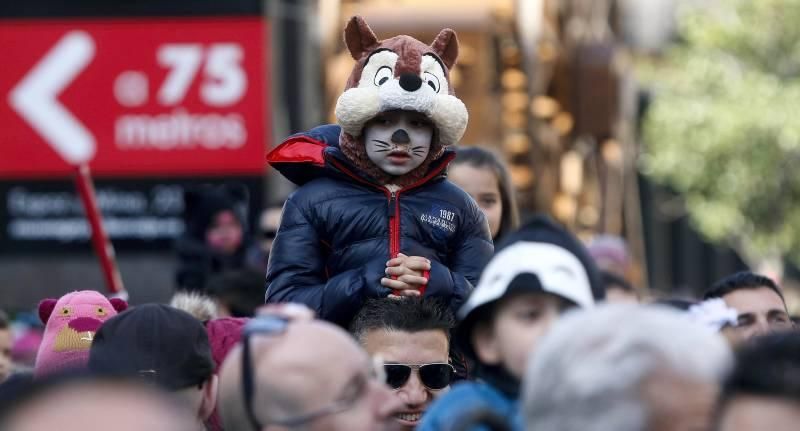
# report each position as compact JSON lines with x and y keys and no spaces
{"x":485,"y":344}
{"x":210,"y":392}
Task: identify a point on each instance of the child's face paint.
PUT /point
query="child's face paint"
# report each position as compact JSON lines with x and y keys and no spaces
{"x":398,"y":141}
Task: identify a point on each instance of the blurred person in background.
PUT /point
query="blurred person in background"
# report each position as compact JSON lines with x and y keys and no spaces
{"x":759,"y":302}
{"x":223,"y":334}
{"x":268,"y":224}
{"x":541,"y":272}
{"x":200,"y":306}
{"x":712,"y":313}
{"x":28,"y":334}
{"x":610,"y":253}
{"x":612,"y":256}
{"x":162,"y":345}
{"x":216,"y":238}
{"x":618,"y":290}
{"x":625,"y":368}
{"x":480,"y":173}
{"x":763,"y":391}
{"x":6,"y":342}
{"x":94,"y":404}
{"x":237,"y":293}
{"x":412,"y":337}
{"x":305,"y":374}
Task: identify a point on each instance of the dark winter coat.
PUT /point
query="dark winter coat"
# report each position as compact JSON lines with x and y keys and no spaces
{"x":340,"y":228}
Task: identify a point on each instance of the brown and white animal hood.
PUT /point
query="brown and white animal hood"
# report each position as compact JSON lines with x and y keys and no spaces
{"x":400,"y":73}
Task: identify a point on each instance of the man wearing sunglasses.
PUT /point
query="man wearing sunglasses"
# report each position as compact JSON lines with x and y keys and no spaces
{"x":411,"y":335}
{"x":304,"y":374}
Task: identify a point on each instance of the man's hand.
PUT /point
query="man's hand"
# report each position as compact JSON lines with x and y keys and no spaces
{"x":405,"y":275}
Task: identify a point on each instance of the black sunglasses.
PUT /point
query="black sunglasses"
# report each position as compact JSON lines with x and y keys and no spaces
{"x":274,"y":325}
{"x":435,"y":376}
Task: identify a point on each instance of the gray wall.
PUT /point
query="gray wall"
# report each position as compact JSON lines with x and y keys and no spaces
{"x":27,"y":279}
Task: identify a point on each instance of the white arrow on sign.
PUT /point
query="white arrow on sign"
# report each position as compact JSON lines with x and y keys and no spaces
{"x":35,"y":97}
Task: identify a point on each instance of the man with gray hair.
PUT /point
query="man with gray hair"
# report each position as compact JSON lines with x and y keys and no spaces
{"x":625,"y":368}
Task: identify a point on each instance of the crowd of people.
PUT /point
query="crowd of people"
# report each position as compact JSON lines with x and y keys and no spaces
{"x":403,"y":292}
{"x":535,"y":347}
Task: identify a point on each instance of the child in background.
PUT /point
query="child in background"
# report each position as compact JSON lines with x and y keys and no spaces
{"x":6,"y":342}
{"x":374,"y":215}
{"x":481,"y":174}
{"x":215,"y":239}
{"x":541,"y":272}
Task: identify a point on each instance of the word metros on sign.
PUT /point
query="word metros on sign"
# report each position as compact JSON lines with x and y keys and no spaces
{"x":134,"y":97}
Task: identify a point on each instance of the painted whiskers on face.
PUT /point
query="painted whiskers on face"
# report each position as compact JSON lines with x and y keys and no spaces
{"x":419,"y":151}
{"x":398,"y":141}
{"x":383,"y":146}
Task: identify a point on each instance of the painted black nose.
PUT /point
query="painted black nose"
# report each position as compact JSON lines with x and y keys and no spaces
{"x":400,"y":136}
{"x":410,"y":82}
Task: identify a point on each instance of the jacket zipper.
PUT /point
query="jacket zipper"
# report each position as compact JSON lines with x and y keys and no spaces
{"x":394,"y":207}
{"x":394,"y":225}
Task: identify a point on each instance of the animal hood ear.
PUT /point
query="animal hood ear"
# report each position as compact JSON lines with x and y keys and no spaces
{"x":46,"y":307}
{"x":119,"y":304}
{"x":358,"y":37}
{"x":446,"y":46}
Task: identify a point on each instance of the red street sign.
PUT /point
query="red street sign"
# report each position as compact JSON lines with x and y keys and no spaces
{"x":133,"y":97}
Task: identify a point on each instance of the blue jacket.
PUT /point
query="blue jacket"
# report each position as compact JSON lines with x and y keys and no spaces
{"x":465,"y":399}
{"x":339,"y":229}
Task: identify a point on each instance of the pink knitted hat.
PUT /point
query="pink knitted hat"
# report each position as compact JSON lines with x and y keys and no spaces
{"x":70,"y":325}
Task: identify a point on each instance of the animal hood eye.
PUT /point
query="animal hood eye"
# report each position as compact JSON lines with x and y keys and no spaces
{"x":432,"y":81}
{"x":382,"y":75}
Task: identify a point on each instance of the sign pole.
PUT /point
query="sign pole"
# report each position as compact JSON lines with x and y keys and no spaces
{"x":100,"y":242}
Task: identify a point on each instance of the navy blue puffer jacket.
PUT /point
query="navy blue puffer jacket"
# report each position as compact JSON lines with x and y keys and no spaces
{"x":339,"y":229}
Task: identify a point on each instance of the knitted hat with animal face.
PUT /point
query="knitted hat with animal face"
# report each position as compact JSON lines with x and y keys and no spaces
{"x":71,"y":323}
{"x":400,"y":73}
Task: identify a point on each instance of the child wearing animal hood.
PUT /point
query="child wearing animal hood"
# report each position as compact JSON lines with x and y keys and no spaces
{"x":374,"y":215}
{"x":538,"y":273}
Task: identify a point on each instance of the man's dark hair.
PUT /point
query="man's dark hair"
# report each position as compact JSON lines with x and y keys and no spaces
{"x":767,"y":366}
{"x":242,"y":291}
{"x":675,"y":303}
{"x":3,"y":320}
{"x":407,"y":314}
{"x":741,"y":280}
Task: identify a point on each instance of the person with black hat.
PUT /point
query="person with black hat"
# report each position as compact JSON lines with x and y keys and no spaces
{"x":162,"y":345}
{"x":215,"y":239}
{"x":540,"y":272}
